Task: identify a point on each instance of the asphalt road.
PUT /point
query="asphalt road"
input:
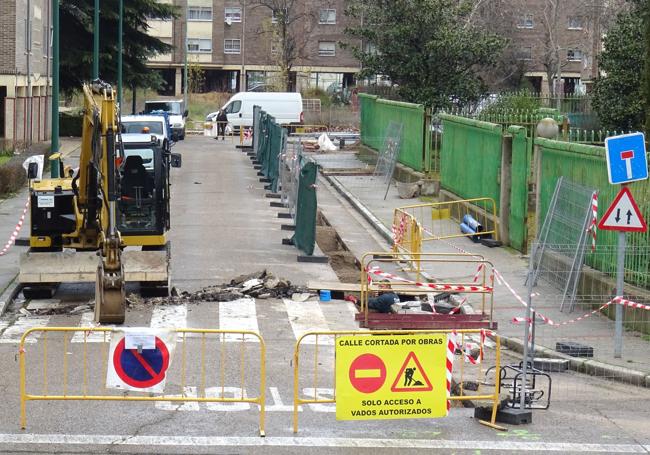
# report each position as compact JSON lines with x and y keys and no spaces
{"x":223,"y":226}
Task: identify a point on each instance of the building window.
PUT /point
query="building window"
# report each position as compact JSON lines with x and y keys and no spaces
{"x":198,"y":45}
{"x":231,"y":46}
{"x":525,"y":53}
{"x":327,"y":16}
{"x":575,"y":22}
{"x":326,"y":48}
{"x":525,"y":21}
{"x":574,"y":55}
{"x":233,"y":14}
{"x":199,"y":13}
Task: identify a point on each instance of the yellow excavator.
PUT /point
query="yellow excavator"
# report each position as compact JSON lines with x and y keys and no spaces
{"x":76,"y":217}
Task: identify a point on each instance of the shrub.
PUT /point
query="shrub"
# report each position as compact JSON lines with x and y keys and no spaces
{"x":12,"y":177}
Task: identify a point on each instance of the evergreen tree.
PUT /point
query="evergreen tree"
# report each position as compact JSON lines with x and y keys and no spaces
{"x":76,"y":42}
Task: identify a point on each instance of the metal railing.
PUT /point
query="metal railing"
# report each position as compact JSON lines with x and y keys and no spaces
{"x":84,"y":386}
{"x":324,"y":367}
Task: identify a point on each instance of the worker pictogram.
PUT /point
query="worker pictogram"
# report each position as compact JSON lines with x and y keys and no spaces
{"x":411,"y":377}
{"x":141,"y":369}
{"x":623,"y":215}
{"x":367,"y":373}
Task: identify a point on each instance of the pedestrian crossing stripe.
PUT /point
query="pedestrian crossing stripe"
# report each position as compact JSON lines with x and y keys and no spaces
{"x":411,"y":377}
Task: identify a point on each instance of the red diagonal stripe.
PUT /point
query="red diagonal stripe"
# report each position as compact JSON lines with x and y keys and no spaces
{"x":143,"y":362}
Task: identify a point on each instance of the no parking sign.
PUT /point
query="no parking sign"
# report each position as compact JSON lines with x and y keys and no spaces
{"x":139,"y":359}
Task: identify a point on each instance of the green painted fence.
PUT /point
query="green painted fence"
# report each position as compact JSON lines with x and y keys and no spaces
{"x":586,"y":165}
{"x":470,"y":158}
{"x":377,"y":113}
{"x":519,"y":173}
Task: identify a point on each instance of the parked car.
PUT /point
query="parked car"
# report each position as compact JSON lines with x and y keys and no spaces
{"x":153,"y":125}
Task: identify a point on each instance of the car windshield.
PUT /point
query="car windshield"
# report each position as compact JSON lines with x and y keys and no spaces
{"x":173,"y":107}
{"x":139,"y":127}
{"x":146,"y":154}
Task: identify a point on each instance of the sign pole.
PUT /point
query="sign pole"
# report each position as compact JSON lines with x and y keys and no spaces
{"x":620,"y":275}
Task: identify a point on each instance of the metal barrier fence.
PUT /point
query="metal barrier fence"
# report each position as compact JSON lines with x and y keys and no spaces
{"x":474,"y":218}
{"x":290,"y":161}
{"x":473,"y":382}
{"x":379,"y":273}
{"x":79,"y":384}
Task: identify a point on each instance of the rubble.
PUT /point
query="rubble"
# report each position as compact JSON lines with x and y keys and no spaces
{"x":260,"y":285}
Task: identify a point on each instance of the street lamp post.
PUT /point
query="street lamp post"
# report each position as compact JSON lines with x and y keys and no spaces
{"x":55,"y":76}
{"x":185,"y":59}
{"x":120,"y":32}
{"x":96,"y":42}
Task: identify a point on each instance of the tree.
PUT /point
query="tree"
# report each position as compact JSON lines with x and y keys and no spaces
{"x":430,"y":48}
{"x":76,"y":41}
{"x":195,"y":77}
{"x":285,"y":31}
{"x":618,"y":93}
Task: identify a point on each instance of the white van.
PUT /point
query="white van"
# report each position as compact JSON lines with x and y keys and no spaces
{"x":285,"y":107}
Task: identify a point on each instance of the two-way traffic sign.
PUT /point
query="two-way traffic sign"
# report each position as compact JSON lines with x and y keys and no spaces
{"x":623,"y":215}
{"x":626,"y":158}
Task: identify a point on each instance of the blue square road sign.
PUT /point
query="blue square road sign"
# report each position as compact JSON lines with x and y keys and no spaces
{"x":626,"y":158}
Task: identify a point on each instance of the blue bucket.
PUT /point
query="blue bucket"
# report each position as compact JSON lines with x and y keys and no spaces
{"x":325,"y":295}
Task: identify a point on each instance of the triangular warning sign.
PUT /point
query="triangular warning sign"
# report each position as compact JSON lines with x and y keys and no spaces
{"x":411,"y":377}
{"x":623,"y":215}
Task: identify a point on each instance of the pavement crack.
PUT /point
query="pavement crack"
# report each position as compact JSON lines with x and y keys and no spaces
{"x":165,"y":418}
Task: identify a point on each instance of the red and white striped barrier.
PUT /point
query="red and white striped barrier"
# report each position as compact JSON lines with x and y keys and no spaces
{"x":14,"y":234}
{"x":594,"y":218}
{"x":434,"y":286}
{"x":451,"y":349}
{"x":398,"y":232}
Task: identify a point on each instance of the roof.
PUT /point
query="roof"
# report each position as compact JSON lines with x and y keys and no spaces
{"x":135,"y":138}
{"x":142,"y":118}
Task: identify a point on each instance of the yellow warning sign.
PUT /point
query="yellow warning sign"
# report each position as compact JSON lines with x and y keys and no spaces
{"x":391,"y":377}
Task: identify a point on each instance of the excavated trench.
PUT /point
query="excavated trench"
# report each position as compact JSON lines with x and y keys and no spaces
{"x":342,"y":261}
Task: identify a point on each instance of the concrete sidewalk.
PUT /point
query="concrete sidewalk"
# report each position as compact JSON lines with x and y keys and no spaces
{"x":596,"y":331}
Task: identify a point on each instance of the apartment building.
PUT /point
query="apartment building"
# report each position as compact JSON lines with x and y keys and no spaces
{"x":567,"y":39}
{"x":24,"y":72}
{"x":235,"y":44}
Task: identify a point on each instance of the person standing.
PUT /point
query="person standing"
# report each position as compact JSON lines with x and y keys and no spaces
{"x":222,"y":121}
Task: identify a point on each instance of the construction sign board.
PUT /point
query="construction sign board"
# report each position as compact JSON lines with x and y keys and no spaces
{"x":391,"y":377}
{"x":623,"y":215}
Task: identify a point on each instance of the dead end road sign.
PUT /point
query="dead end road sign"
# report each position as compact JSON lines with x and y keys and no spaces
{"x":391,"y":376}
{"x":623,"y":215}
{"x":626,"y":158}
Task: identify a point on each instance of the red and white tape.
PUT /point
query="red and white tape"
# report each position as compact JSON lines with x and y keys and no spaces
{"x":434,"y":286}
{"x":14,"y":234}
{"x":478,"y":272}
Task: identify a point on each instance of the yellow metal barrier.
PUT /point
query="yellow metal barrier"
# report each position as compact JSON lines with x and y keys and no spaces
{"x":379,"y":272}
{"x":441,"y":220}
{"x":197,"y":339}
{"x":323,"y":369}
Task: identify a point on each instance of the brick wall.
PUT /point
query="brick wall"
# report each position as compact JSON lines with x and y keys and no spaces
{"x":7,"y":36}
